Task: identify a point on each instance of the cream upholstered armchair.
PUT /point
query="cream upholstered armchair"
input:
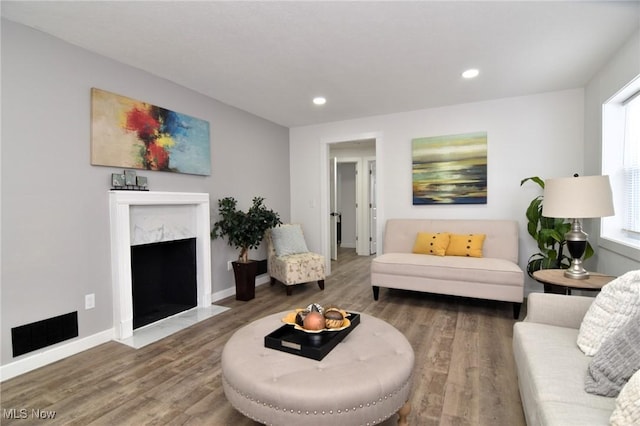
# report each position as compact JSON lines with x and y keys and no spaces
{"x":289,"y":260}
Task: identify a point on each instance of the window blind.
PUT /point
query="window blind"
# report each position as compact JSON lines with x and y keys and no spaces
{"x":631,"y":164}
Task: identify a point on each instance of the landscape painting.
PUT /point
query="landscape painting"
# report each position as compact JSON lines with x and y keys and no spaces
{"x":133,"y":134}
{"x":450,"y":169}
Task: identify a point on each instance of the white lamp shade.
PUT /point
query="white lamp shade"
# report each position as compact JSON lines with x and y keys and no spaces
{"x":577,"y":197}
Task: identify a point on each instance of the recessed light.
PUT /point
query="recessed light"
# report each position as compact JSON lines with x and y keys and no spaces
{"x":319,"y":100}
{"x":470,"y":73}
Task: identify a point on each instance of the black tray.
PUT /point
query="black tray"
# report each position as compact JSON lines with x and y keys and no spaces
{"x":309,"y":345}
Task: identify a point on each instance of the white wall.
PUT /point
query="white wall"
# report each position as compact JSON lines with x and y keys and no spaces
{"x":538,"y":135}
{"x":624,"y":65}
{"x":55,"y":216}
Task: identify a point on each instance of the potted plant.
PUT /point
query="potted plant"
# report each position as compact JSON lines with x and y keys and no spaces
{"x":244,"y":231}
{"x":549,"y":235}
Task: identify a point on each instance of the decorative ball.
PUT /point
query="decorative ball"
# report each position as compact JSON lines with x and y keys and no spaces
{"x":315,"y":307}
{"x":333,"y":318}
{"x":300,"y":318}
{"x":314,"y":321}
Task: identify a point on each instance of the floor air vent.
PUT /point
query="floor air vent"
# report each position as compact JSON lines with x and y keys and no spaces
{"x":40,"y":334}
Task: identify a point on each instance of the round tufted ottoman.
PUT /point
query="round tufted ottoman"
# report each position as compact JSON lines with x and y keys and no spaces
{"x":364,"y":380}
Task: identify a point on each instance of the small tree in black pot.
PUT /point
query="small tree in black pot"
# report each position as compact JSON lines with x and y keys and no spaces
{"x":244,"y":231}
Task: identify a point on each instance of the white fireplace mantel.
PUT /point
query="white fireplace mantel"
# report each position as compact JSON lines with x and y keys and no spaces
{"x":120,"y":205}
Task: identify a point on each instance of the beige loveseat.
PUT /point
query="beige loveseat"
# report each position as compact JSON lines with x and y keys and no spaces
{"x":552,"y":369}
{"x":495,"y":276}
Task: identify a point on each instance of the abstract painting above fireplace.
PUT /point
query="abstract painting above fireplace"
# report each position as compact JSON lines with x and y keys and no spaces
{"x":134,"y":134}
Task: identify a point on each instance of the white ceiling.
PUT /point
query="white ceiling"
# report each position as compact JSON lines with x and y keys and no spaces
{"x":367,"y":58}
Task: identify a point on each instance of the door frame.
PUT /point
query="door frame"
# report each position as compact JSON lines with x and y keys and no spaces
{"x":325,"y":229}
{"x":333,"y":206}
{"x":372,"y":203}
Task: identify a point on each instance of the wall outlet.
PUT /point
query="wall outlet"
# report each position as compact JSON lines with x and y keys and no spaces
{"x":90,"y":301}
{"x":229,"y":265}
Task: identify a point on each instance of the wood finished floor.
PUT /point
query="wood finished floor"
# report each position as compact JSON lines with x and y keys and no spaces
{"x":464,"y":372}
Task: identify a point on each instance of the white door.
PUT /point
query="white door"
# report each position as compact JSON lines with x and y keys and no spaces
{"x":333,"y":205}
{"x":373,"y":211}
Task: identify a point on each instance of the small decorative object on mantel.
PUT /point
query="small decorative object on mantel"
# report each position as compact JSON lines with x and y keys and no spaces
{"x":142,"y":183}
{"x":117,"y":180}
{"x":129,"y":177}
{"x":128,"y":181}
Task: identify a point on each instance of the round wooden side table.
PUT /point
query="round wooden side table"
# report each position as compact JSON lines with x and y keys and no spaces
{"x":554,"y":281}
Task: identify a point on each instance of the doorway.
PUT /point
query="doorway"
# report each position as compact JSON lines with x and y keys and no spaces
{"x":352,"y":191}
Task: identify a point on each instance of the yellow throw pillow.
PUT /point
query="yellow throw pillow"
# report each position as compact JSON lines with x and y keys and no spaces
{"x":469,"y":245}
{"x":429,"y":243}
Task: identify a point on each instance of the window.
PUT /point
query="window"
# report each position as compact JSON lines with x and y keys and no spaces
{"x":631,"y":165}
{"x":621,"y":161}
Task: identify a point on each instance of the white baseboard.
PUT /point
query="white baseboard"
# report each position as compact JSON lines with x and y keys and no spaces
{"x":222,"y":294}
{"x":51,"y":355}
{"x":227,"y":292}
{"x":63,"y":350}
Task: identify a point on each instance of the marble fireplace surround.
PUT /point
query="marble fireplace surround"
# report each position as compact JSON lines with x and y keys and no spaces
{"x":141,"y":217}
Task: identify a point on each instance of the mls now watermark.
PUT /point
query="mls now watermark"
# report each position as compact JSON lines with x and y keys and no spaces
{"x":28,"y":413}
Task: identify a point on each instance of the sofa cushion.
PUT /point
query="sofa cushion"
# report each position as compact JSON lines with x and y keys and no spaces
{"x":627,"y":411}
{"x":616,"y":361}
{"x":551,"y":371}
{"x":431,"y":243}
{"x":558,"y":413}
{"x":469,"y":245}
{"x":449,"y":268}
{"x":612,"y":308}
{"x":288,"y":239}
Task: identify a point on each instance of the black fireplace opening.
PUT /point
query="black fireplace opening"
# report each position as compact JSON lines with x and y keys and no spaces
{"x":164,"y":280}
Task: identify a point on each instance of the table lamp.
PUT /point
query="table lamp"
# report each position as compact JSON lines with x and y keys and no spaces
{"x":576,"y":198}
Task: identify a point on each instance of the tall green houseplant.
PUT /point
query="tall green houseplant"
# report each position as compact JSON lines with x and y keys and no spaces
{"x":549,"y":235}
{"x":243,"y":230}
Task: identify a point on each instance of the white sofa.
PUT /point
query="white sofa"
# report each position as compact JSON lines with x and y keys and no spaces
{"x":552,"y":368}
{"x":495,"y":276}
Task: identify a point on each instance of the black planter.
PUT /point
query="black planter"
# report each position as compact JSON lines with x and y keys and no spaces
{"x":245,"y":275}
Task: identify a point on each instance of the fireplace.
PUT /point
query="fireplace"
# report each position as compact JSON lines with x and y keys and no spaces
{"x":149,"y":218}
{"x":163,"y":280}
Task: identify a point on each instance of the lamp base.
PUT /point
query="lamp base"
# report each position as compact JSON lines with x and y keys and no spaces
{"x":576,"y":271}
{"x":576,"y":243}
